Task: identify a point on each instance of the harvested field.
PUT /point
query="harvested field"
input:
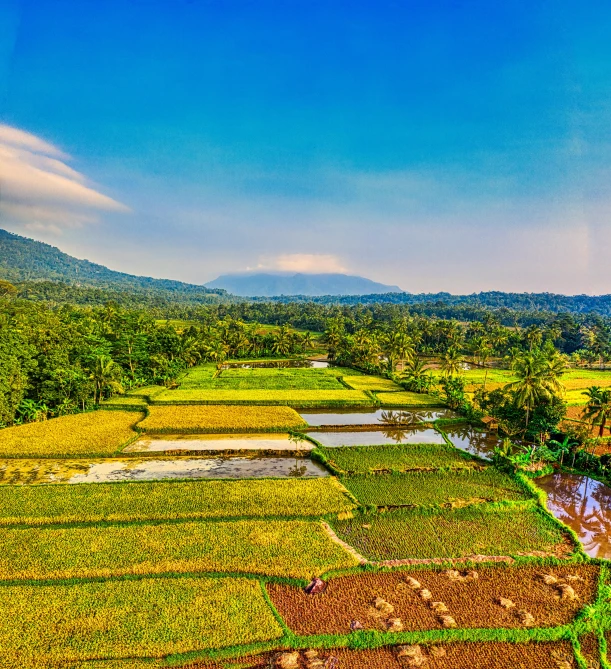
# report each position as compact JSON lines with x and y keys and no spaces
{"x":205,"y":419}
{"x":590,"y":650}
{"x":460,"y":487}
{"x":464,"y":655}
{"x":396,"y":458}
{"x":117,"y":619}
{"x":472,"y":530}
{"x":96,"y":433}
{"x":342,"y":397}
{"x":272,"y":547}
{"x":498,"y":655}
{"x":473,"y":602}
{"x":88,"y":502}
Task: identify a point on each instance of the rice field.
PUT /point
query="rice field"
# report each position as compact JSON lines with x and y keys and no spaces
{"x":441,"y":488}
{"x":97,"y":433}
{"x":211,"y":419}
{"x":347,"y":598}
{"x":164,"y":500}
{"x":129,"y":619}
{"x":295,"y":398}
{"x":395,"y":458}
{"x":405,"y":399}
{"x":265,"y":547}
{"x":211,"y":573}
{"x":473,"y":530}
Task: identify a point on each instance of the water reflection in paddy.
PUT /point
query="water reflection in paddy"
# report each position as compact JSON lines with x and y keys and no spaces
{"x":381,"y":417}
{"x":477,"y":443}
{"x":29,"y":472}
{"x":378,"y":437}
{"x":585,"y":506}
{"x":216,"y":443}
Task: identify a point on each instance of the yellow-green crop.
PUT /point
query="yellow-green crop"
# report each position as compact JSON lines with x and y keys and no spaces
{"x":203,"y":419}
{"x":96,"y":433}
{"x":94,"y":502}
{"x":40,"y":624}
{"x":271,"y":547}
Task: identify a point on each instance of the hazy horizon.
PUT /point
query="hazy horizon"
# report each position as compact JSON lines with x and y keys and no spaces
{"x":442,"y":147}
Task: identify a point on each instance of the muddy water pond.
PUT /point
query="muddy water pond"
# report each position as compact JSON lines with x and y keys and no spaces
{"x":378,"y":437}
{"x":583,"y":504}
{"x":31,"y":472}
{"x":477,"y":443}
{"x":379,"y":417}
{"x":217,"y":443}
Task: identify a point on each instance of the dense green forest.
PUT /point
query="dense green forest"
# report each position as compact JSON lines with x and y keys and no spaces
{"x":62,"y":359}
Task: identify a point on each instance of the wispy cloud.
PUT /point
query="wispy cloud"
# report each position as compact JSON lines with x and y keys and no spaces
{"x":301,"y":262}
{"x":40,"y":191}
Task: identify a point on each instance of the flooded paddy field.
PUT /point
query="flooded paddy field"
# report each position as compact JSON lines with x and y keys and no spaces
{"x":583,"y":504}
{"x":34,"y":472}
{"x":473,"y":441}
{"x":378,"y":437}
{"x":375,"y":417}
{"x":218,"y":443}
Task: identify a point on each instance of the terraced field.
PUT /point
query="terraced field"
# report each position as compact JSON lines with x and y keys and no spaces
{"x":405,"y":555}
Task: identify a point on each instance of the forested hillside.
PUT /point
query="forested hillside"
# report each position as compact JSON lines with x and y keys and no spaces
{"x":23,"y":260}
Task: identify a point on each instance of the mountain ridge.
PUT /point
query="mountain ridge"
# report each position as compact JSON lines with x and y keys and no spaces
{"x":276,"y":284}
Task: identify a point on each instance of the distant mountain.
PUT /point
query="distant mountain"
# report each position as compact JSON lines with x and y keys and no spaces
{"x":274,"y":284}
{"x":26,"y":260}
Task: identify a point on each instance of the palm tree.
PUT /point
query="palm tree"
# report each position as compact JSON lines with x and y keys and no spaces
{"x":105,"y":375}
{"x":598,"y":408}
{"x":451,"y":362}
{"x":416,"y":376}
{"x":538,"y":379}
{"x":482,"y":351}
{"x":533,"y":336}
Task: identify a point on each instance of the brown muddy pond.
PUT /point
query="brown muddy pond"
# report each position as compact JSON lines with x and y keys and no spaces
{"x":583,"y":504}
{"x":32,"y":472}
{"x":219,"y":443}
{"x":477,"y":443}
{"x":379,"y":417}
{"x":378,"y":437}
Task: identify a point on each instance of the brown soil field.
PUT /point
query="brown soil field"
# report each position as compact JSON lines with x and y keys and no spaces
{"x":590,"y":650}
{"x":508,"y":597}
{"x":493,"y":655}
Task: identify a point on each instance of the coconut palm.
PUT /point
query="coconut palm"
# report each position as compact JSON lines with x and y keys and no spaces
{"x":538,"y":378}
{"x":598,"y":408}
{"x":106,"y":375}
{"x":452,"y":362}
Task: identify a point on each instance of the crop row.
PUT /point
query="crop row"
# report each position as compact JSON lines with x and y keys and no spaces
{"x":86,"y":502}
{"x":473,"y":530}
{"x":206,"y":419}
{"x":407,"y":399}
{"x":373,"y":383}
{"x":96,"y":433}
{"x":294,"y":398}
{"x":205,"y":378}
{"x":417,"y":488}
{"x":41,"y":624}
{"x":395,"y":457}
{"x":266,"y":547}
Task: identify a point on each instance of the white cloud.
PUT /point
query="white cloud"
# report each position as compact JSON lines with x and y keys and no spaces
{"x":307,"y":263}
{"x":39,"y":191}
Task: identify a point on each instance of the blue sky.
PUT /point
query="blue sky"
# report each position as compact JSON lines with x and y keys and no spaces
{"x":458,"y":146}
